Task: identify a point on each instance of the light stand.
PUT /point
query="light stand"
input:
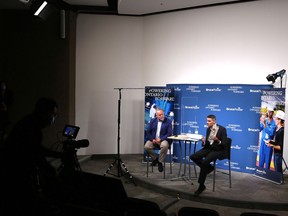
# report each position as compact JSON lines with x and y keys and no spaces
{"x":281,"y":78}
{"x":118,"y":160}
{"x":286,"y":168}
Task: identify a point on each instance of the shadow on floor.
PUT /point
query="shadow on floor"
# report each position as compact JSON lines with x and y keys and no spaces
{"x":248,"y":193}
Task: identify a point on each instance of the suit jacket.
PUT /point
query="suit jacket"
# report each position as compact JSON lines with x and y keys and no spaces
{"x":221,"y":135}
{"x":166,"y":129}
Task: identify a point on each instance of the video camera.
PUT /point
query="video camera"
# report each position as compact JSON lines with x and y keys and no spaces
{"x":70,"y":164}
{"x":71,"y":131}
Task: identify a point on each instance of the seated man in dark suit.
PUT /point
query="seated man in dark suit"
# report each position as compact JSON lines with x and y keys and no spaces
{"x":158,"y":131}
{"x":213,"y":146}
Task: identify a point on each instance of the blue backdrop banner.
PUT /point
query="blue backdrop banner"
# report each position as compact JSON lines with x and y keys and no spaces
{"x":237,"y":107}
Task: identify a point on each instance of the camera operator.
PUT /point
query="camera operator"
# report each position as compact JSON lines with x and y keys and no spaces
{"x":25,"y":163}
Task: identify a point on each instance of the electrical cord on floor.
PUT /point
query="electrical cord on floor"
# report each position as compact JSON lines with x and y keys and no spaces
{"x":171,"y":203}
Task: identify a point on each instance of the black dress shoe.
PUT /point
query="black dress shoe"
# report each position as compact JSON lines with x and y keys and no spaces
{"x":200,"y":190}
{"x":160,"y":167}
{"x":155,"y":162}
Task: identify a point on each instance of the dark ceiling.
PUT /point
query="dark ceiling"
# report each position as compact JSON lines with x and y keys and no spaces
{"x":123,"y":7}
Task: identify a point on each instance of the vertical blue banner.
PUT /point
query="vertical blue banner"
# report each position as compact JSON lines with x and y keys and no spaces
{"x":158,"y":97}
{"x":271,"y":99}
{"x":237,"y":107}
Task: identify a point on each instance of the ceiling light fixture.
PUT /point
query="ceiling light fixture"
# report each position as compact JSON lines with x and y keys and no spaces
{"x":24,"y":1}
{"x":40,"y":9}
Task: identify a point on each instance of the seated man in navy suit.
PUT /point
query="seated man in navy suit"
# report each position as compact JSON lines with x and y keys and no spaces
{"x":213,"y":146}
{"x":158,"y":131}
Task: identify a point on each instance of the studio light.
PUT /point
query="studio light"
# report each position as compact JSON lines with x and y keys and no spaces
{"x":42,"y":6}
{"x":38,"y":6}
{"x":272,"y":77}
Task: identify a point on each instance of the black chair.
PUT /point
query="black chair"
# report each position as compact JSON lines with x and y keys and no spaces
{"x":70,"y":209}
{"x":140,"y":207}
{"x":190,"y":211}
{"x":256,"y":214}
{"x":225,"y":155}
{"x":164,"y":164}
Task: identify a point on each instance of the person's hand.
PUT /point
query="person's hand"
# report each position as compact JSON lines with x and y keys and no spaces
{"x":216,"y":139}
{"x":154,"y":141}
{"x":158,"y":141}
{"x":268,"y":143}
{"x":203,"y":140}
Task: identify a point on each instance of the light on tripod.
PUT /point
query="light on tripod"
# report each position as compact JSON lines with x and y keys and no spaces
{"x":272,"y":77}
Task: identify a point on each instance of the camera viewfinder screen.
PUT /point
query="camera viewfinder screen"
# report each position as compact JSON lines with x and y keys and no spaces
{"x":70,"y":131}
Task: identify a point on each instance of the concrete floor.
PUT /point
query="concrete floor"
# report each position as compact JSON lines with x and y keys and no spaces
{"x":248,"y":193}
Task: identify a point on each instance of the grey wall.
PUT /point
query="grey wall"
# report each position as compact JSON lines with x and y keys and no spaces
{"x":237,"y":44}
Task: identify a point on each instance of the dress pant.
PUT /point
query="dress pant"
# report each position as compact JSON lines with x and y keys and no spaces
{"x":149,"y":147}
{"x":203,"y":159}
{"x":278,"y":162}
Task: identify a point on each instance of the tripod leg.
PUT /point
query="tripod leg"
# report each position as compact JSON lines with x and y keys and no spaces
{"x":127,"y":171}
{"x":110,"y":167}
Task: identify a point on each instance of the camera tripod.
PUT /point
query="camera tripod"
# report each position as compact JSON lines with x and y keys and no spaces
{"x":70,"y":164}
{"x":118,"y":161}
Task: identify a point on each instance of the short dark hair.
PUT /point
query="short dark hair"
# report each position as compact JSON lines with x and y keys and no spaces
{"x":211,"y":116}
{"x":45,"y":105}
